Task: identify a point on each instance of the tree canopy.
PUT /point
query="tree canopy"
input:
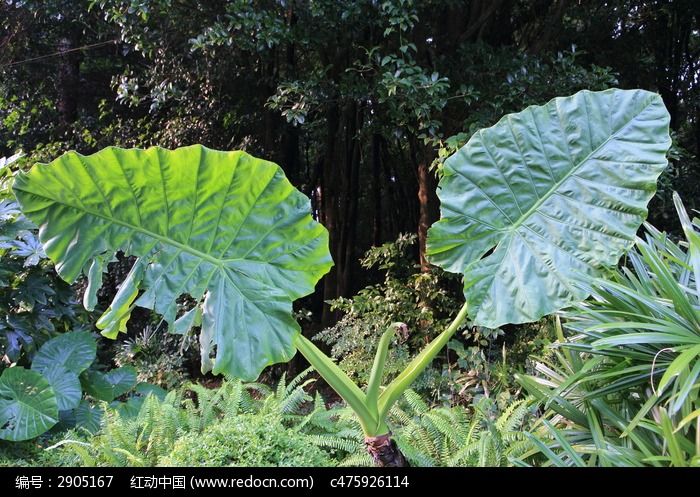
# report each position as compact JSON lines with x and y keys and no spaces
{"x":358,"y":101}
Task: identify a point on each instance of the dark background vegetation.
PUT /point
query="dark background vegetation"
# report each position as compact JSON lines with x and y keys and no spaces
{"x":357,"y":100}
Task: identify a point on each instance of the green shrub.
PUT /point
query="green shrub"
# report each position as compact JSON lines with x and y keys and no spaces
{"x":161,"y":358}
{"x":247,"y":440}
{"x":426,"y":302}
{"x":480,"y":361}
{"x":271,"y":425}
{"x":623,"y":388}
{"x":35,"y":305}
{"x":33,"y":453}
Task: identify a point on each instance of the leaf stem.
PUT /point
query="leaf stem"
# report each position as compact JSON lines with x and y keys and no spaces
{"x":338,"y":381}
{"x":419,"y":363}
{"x":375,"y":377}
{"x":370,"y":409}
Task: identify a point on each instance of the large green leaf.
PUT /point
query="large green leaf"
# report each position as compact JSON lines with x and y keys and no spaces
{"x":122,"y":379}
{"x":96,"y":385}
{"x":108,"y":386}
{"x":88,"y":417}
{"x":224,"y":227}
{"x":66,"y":386}
{"x":74,"y":351}
{"x":27,"y":405}
{"x":548,"y":193}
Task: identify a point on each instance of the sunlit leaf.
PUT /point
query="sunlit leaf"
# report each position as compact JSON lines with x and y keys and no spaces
{"x":223,"y":227}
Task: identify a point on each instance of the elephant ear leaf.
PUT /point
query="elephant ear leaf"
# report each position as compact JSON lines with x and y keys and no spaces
{"x":545,"y":196}
{"x":225,"y":228}
{"x":28,"y":405}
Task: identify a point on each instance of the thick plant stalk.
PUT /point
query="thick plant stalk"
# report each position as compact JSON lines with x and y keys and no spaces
{"x":384,"y":452}
{"x":375,"y":377}
{"x":338,"y":381}
{"x":382,"y":448}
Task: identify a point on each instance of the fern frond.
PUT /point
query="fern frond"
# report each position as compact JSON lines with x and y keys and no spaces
{"x":415,"y":402}
{"x":414,"y":454}
{"x":81,"y":449}
{"x":463,"y":457}
{"x":513,"y":416}
{"x":357,"y":461}
{"x":296,"y":381}
{"x":293,"y":401}
{"x":281,"y":390}
{"x":338,"y":443}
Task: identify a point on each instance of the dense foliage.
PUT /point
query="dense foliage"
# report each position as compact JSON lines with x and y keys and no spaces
{"x":623,"y":389}
{"x":34,"y":303}
{"x":351,"y":98}
{"x":239,"y":424}
{"x":386,"y":118}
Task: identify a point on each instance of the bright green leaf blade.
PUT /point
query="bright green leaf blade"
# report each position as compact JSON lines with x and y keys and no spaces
{"x":27,"y":405}
{"x":94,"y":282}
{"x":556,"y":191}
{"x":187,"y":321}
{"x":66,"y":386}
{"x":693,"y":238}
{"x":674,"y":448}
{"x":74,"y":351}
{"x":222,"y":226}
{"x":686,"y":420}
{"x":646,"y":338}
{"x":341,"y":383}
{"x":678,"y":365}
{"x":684,"y":391}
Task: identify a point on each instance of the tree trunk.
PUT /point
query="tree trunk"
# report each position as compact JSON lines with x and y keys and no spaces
{"x":290,"y":139}
{"x":385,"y":452}
{"x":329,"y":212}
{"x":480,"y":17}
{"x":697,"y":130}
{"x":427,"y":201}
{"x":68,"y":80}
{"x":426,"y":216}
{"x":551,"y":26}
{"x":377,"y":189}
{"x":350,"y":199}
{"x":292,"y":162}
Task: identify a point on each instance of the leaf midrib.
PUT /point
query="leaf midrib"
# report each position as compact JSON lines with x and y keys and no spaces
{"x":140,"y":229}
{"x":573,"y":170}
{"x":513,"y":231}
